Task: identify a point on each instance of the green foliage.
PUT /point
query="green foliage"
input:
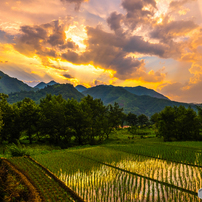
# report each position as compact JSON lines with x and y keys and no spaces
{"x":130,"y":102}
{"x":10,"y":117}
{"x":66,"y":90}
{"x":29,"y":114}
{"x":139,"y":90}
{"x":178,"y":123}
{"x":17,"y":149}
{"x":9,"y":85}
{"x":53,"y":120}
{"x":133,"y":130}
{"x":132,"y":119}
{"x":143,"y":120}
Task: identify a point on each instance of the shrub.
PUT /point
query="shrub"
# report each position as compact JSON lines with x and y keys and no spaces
{"x":17,"y":150}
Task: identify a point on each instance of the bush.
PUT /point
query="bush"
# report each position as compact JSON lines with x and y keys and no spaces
{"x":17,"y":150}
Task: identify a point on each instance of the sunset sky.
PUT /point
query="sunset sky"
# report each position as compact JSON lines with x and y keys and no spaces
{"x":153,"y":43}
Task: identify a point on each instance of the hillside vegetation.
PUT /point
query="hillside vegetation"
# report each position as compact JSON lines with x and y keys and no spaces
{"x":9,"y":84}
{"x":66,"y":90}
{"x":130,"y":102}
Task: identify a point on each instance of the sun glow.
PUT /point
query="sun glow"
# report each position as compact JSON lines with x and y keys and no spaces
{"x":77,"y":34}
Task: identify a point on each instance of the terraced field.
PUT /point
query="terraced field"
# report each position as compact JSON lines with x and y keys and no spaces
{"x":42,"y":182}
{"x":128,"y":173}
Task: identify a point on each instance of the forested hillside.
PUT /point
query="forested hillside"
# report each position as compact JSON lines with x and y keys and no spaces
{"x":66,"y":90}
{"x":139,"y":90}
{"x":131,"y":103}
{"x":9,"y":84}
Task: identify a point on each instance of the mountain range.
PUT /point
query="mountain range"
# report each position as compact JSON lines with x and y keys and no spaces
{"x":138,"y":100}
{"x":130,"y":102}
{"x":138,"y":90}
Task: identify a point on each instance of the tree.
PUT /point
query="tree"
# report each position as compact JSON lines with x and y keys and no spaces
{"x":187,"y":124}
{"x":11,"y":121}
{"x":143,"y":120}
{"x":178,"y":123}
{"x":29,"y":115}
{"x":79,"y":122}
{"x":96,"y":112}
{"x":132,"y":119}
{"x":113,"y":118}
{"x":166,"y":123}
{"x":123,"y":119}
{"x":52,"y":119}
{"x":116,"y":114}
{"x":154,"y":118}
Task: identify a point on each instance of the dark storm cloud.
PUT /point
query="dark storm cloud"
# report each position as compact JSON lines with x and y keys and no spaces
{"x":30,"y":40}
{"x":136,"y":14}
{"x":128,"y":44}
{"x":133,"y":5}
{"x":114,"y":21}
{"x":57,"y":38}
{"x":43,"y":40}
{"x":77,"y":2}
{"x":5,"y":37}
{"x":172,"y":29}
{"x":178,"y":4}
{"x":69,"y":45}
{"x":137,"y":44}
{"x":105,"y":50}
{"x":71,"y":56}
{"x":68,"y":76}
{"x":98,"y":36}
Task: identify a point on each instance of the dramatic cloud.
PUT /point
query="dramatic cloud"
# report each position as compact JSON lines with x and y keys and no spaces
{"x":138,"y":12}
{"x":179,"y":3}
{"x":137,"y":42}
{"x":109,"y":51}
{"x":114,"y":21}
{"x":97,"y":83}
{"x":173,"y":29}
{"x":68,"y":76}
{"x":77,"y":2}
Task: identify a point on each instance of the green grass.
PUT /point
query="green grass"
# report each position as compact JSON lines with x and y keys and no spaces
{"x":137,"y":162}
{"x":31,"y":149}
{"x":48,"y":187}
{"x":76,"y":167}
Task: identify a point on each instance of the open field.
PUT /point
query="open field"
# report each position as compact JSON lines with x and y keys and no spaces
{"x":141,"y":170}
{"x":121,"y":169}
{"x":41,"y":184}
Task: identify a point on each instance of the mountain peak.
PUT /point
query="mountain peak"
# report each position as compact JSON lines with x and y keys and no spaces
{"x":52,"y":83}
{"x":42,"y":85}
{"x":81,"y":88}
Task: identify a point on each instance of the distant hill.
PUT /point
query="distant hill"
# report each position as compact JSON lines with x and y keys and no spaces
{"x":139,"y":90}
{"x":130,"y":102}
{"x":42,"y":85}
{"x":81,"y":88}
{"x":9,"y":84}
{"x":66,"y":90}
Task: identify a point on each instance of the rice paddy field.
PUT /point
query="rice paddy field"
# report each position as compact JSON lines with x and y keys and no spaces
{"x":138,"y":170}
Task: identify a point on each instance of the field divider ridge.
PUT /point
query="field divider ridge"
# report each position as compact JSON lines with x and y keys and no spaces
{"x":155,"y":157}
{"x":62,"y":184}
{"x":133,"y":173}
{"x":35,"y":194}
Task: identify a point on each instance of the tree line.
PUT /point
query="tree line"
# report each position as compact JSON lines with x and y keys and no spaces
{"x":178,"y":123}
{"x":57,"y":120}
{"x":66,"y":122}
